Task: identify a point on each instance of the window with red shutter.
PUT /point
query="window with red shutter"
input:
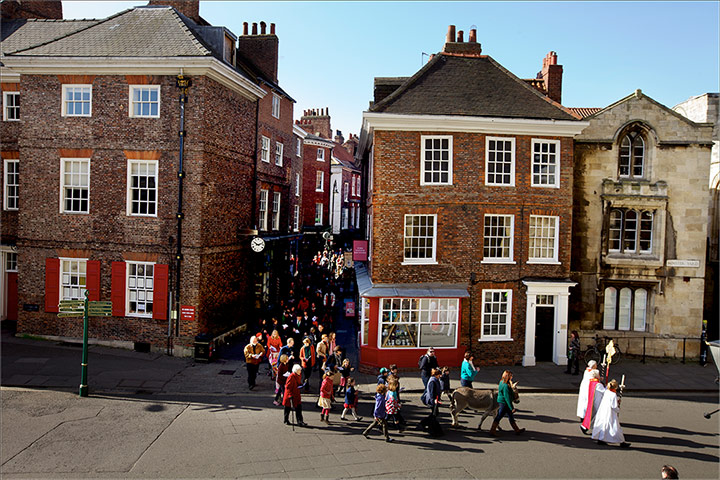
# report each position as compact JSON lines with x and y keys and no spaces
{"x":160,"y":292}
{"x":117,"y":294}
{"x":52,"y":284}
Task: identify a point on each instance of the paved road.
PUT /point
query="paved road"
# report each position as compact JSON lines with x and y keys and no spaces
{"x":54,"y":434}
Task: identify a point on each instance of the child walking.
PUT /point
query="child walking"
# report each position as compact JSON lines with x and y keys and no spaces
{"x":326,"y":394}
{"x":351,"y":399}
{"x":344,"y":370}
{"x":445,"y":382}
{"x":379,"y":415}
{"x":392,"y":404}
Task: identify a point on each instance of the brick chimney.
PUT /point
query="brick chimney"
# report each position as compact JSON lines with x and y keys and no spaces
{"x":551,"y":74}
{"x":317,"y":122}
{"x":339,"y":137}
{"x":189,"y":8}
{"x":456,"y":46}
{"x":261,"y":50}
{"x":17,"y":9}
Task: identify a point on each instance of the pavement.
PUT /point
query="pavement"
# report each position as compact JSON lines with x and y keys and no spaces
{"x":33,"y":363}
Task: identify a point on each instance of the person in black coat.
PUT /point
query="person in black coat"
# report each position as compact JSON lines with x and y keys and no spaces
{"x":427,"y":363}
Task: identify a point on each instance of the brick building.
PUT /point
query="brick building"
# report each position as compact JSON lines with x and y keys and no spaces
{"x":94,"y":196}
{"x":640,"y":226}
{"x":317,"y":155}
{"x":346,"y":193}
{"x":469,"y":201}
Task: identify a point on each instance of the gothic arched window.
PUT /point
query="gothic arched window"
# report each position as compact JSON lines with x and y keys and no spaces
{"x":632,"y":156}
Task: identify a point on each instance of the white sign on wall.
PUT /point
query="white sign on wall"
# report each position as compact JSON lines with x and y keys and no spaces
{"x":683,"y":263}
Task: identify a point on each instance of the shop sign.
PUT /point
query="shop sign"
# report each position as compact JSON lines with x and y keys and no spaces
{"x":349,"y":309}
{"x":360,"y":250}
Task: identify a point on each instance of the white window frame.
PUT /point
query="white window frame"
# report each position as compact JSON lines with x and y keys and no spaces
{"x":425,"y":260}
{"x":625,"y":317}
{"x":512,"y":160}
{"x":6,"y":107}
{"x":263,"y":210}
{"x":276,"y":211}
{"x":352,"y":180}
{"x":265,"y":149}
{"x":297,"y":184}
{"x":556,"y":240}
{"x":556,"y":176}
{"x":298,"y":147}
{"x":147,"y":291}
{"x":344,"y":218}
{"x":63,"y":186}
{"x":345,"y":191}
{"x":637,"y":232}
{"x":296,"y":219}
{"x":279,"y":154}
{"x":418,"y":312}
{"x":509,"y":259}
{"x":129,"y":202}
{"x":11,"y":261}
{"x":358,"y":185}
{"x":357,"y":217}
{"x":320,"y":154}
{"x":65,"y":102}
{"x":69,"y":284}
{"x":318,"y":213}
{"x":276,"y":105}
{"x":132,"y":102}
{"x":6,"y":184}
{"x":508,"y":317}
{"x":320,"y":179}
{"x":423,"y":171}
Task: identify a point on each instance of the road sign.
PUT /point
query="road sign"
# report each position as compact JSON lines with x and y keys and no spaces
{"x":100,"y":309}
{"x":70,"y":314}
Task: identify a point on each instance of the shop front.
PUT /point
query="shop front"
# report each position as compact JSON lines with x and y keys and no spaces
{"x":400,"y":322}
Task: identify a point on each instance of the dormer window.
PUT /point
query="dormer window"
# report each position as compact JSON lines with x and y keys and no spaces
{"x":632,"y":156}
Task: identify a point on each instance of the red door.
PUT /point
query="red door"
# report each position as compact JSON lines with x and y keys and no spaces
{"x":12,"y":296}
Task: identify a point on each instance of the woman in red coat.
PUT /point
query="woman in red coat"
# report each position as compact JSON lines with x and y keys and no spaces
{"x":291,"y":397}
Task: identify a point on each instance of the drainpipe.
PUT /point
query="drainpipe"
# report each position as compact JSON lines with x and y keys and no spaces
{"x":253,"y":205}
{"x":183,"y":84}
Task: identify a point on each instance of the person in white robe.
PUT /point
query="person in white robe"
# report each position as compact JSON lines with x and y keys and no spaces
{"x":606,"y":426}
{"x":583,"y":392}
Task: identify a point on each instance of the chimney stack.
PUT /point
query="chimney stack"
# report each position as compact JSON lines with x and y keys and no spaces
{"x":551,"y":74}
{"x":460,"y":36}
{"x":245,"y":28}
{"x":261,"y":50}
{"x":189,"y":8}
{"x":472,"y":37}
{"x":456,"y":46}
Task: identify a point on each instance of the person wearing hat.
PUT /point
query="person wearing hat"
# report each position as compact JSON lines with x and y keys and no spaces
{"x":583,"y":392}
{"x":253,"y":355}
{"x":382,"y":378}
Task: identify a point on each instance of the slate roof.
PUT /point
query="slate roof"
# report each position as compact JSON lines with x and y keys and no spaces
{"x":21,"y":34}
{"x":139,"y":32}
{"x":343,"y":157}
{"x":469,"y":86}
{"x":584,"y":112}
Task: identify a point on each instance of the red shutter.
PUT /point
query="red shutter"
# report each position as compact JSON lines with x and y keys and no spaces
{"x":117,"y":294}
{"x":93,"y":280}
{"x":160,"y":292}
{"x":52,"y":284}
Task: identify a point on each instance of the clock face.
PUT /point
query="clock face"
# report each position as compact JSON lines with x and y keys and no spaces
{"x":257,"y":244}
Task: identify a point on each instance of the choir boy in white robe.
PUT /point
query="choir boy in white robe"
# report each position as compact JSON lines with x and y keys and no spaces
{"x":583,"y":392}
{"x":606,"y":426}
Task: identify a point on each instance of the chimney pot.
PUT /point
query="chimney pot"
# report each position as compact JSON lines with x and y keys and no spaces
{"x":245,"y":28}
{"x":262,"y":28}
{"x":272,"y":29}
{"x":472,"y":36}
{"x":451,"y":34}
{"x":460,"y":36}
{"x":254,"y":28}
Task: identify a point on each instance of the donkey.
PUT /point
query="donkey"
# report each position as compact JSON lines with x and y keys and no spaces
{"x":479,"y":400}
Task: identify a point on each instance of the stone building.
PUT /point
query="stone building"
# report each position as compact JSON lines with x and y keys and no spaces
{"x":469,"y":201}
{"x":132,"y":184}
{"x":639,"y":227}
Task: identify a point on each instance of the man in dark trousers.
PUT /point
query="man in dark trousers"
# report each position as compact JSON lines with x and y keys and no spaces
{"x":253,"y":356}
{"x":427,"y":363}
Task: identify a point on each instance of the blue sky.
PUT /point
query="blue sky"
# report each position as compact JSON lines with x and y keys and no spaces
{"x":331,"y":51}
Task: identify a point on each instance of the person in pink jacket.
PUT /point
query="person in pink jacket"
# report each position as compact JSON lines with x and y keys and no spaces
{"x":326,"y":394}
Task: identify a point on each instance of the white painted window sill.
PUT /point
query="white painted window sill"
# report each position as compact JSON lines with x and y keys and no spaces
{"x":420,"y":263}
{"x":543,"y":262}
{"x":495,"y":340}
{"x":499,"y":260}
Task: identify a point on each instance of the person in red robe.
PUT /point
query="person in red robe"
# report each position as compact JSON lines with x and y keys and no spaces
{"x":291,"y":397}
{"x":595,"y":393}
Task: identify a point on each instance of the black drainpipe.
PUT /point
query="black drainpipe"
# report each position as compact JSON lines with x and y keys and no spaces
{"x":184,"y":84}
{"x":253,"y":221}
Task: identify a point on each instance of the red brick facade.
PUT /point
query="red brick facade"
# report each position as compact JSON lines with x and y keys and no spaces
{"x":310,"y":193}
